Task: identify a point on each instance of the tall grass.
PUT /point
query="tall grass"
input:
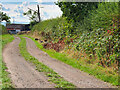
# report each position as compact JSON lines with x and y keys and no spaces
{"x":101,"y":41}
{"x":97,"y":71}
{"x":96,"y":36}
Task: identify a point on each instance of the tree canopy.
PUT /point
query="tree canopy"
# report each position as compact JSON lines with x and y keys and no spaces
{"x":33,"y":15}
{"x":4,"y":17}
{"x":76,"y":11}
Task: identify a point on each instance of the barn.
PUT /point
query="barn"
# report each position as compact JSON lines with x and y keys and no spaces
{"x":15,"y":28}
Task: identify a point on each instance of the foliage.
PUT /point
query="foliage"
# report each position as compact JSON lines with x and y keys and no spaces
{"x":103,"y":41}
{"x":3,"y":16}
{"x":76,"y":11}
{"x":95,"y":33}
{"x":49,"y":28}
{"x":95,"y":70}
{"x":33,"y":15}
{"x":3,"y":29}
{"x":55,"y":29}
{"x":32,"y":23}
{"x":105,"y":16}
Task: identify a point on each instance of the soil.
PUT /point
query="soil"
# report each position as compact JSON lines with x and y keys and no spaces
{"x":22,"y":73}
{"x":75,"y":76}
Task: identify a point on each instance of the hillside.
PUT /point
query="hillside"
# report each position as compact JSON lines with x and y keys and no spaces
{"x":92,"y":39}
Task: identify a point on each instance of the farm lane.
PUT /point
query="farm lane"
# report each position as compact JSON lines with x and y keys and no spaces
{"x":22,"y":73}
{"x":75,"y":76}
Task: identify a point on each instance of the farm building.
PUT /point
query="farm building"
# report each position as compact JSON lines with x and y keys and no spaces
{"x":15,"y":28}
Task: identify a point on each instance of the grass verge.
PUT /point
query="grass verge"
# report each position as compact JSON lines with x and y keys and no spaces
{"x":6,"y":81}
{"x":53,"y":76}
{"x":95,"y":70}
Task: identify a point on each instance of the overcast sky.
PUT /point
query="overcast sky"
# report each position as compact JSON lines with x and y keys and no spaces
{"x":16,"y":8}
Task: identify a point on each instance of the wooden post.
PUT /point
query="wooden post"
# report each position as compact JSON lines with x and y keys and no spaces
{"x":38,"y":12}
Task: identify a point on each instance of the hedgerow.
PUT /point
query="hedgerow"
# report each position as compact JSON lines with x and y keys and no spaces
{"x":93,"y":31}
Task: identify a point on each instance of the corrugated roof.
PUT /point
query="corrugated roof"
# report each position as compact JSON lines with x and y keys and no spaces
{"x":21,"y":27}
{"x":16,"y":26}
{"x":13,"y":26}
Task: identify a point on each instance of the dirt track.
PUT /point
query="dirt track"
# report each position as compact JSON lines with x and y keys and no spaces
{"x":78,"y":78}
{"x":22,"y":73}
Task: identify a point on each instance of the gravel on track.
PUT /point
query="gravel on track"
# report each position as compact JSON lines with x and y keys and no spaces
{"x":75,"y":76}
{"x":22,"y":73}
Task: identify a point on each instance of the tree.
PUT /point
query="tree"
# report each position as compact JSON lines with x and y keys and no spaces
{"x":76,"y":11}
{"x":34,"y":16}
{"x":3,"y":16}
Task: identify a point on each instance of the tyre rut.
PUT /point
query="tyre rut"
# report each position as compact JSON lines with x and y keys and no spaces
{"x":75,"y":76}
{"x":22,"y":73}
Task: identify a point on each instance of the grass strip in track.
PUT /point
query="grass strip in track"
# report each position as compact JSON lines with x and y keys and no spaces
{"x":6,"y":81}
{"x":97,"y":71}
{"x":53,"y":76}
